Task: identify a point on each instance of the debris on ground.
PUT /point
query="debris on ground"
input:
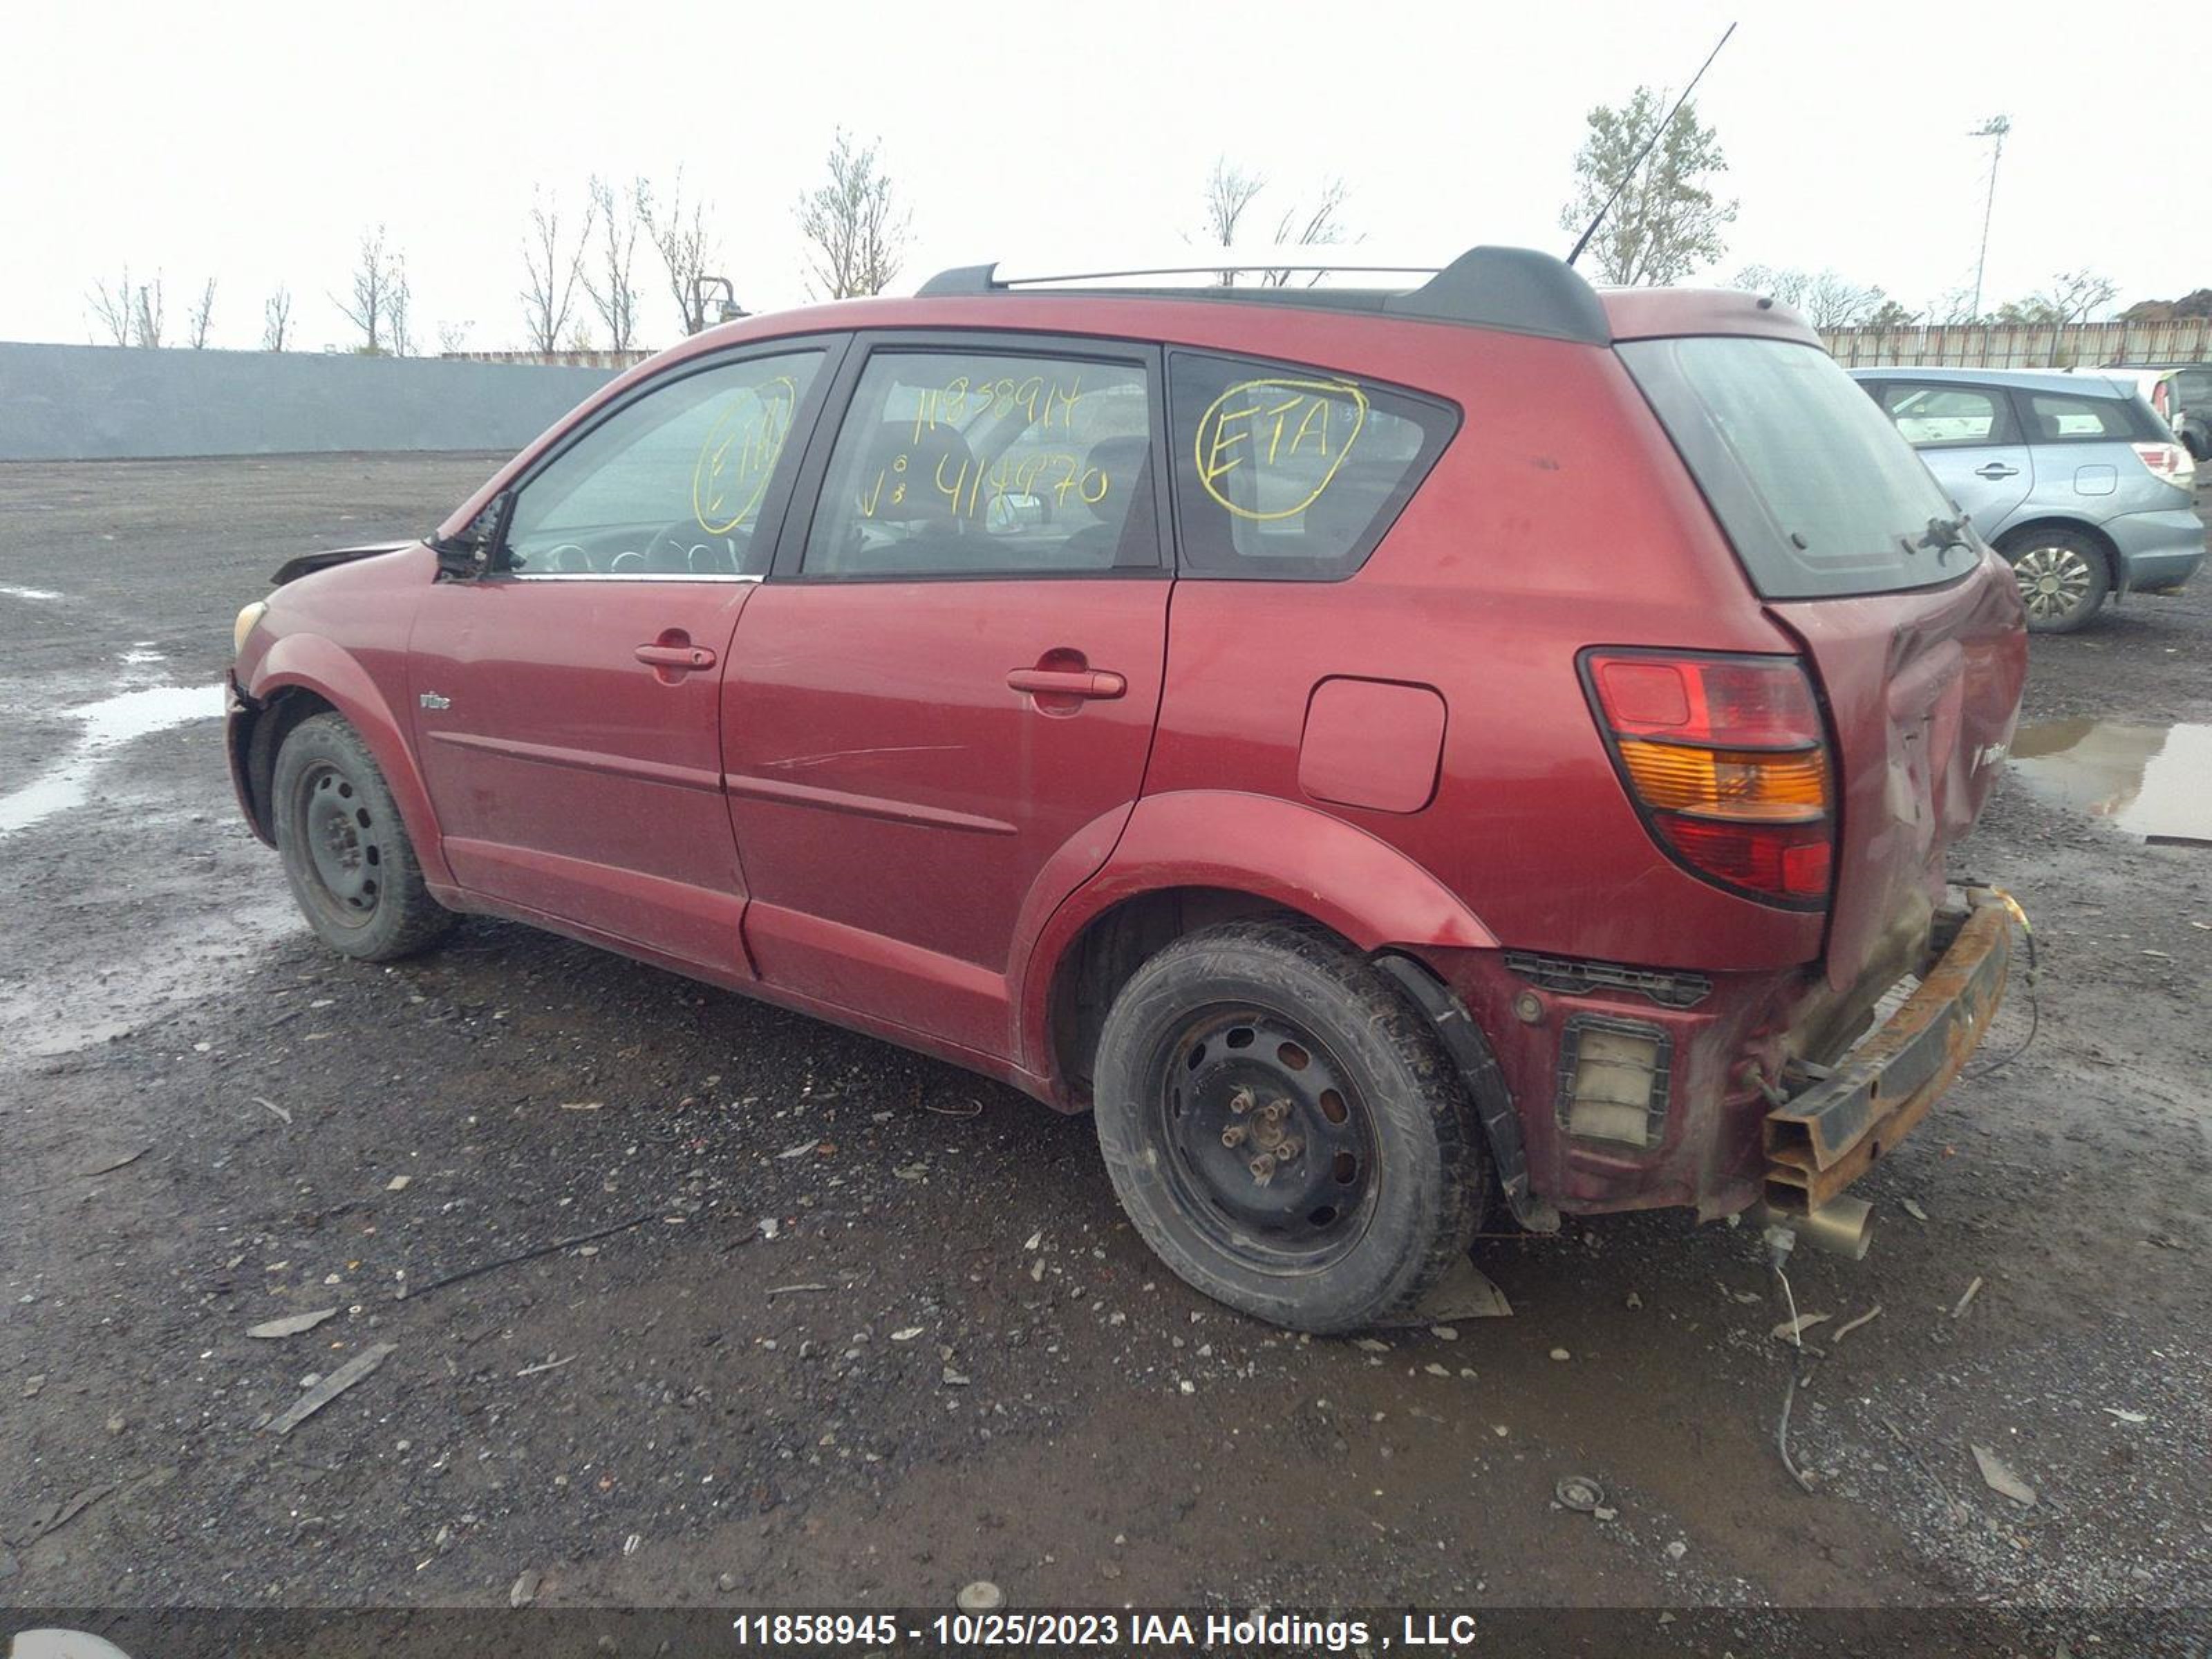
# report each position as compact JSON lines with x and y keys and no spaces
{"x":524,"y":1588}
{"x":1913,"y":1209}
{"x":291,"y":1324}
{"x":2126,"y":1416}
{"x":114,"y":1164}
{"x":1967,"y":1300}
{"x":56,"y":1516}
{"x":1580,"y":1493}
{"x":407,"y":1291}
{"x":1866,"y":1318}
{"x":1792,"y":1331}
{"x":2001,"y":1479}
{"x":981,"y":1596}
{"x":272,"y":1107}
{"x":353,"y":1370}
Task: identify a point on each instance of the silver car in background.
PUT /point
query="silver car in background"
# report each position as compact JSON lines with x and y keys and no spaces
{"x":2073,"y":477}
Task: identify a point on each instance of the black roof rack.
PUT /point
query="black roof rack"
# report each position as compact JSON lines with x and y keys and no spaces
{"x":1518,"y":291}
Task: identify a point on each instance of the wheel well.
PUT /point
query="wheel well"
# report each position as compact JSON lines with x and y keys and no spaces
{"x":2087,"y":532}
{"x":286,"y":708}
{"x":1110,"y":949}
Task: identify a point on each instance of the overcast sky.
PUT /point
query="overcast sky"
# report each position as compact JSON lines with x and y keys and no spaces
{"x":254,"y":143}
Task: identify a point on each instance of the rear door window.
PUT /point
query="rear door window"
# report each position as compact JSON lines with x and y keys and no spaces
{"x":1934,"y":416}
{"x":1812,"y":482}
{"x":985,"y":462}
{"x":1292,"y":473}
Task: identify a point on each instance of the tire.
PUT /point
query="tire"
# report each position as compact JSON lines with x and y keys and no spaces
{"x":1285,"y":1129}
{"x":2063,"y":577}
{"x":346,"y":853}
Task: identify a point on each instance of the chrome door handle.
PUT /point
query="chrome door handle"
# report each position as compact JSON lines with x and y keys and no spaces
{"x":1067,"y":683}
{"x":1995,"y":470}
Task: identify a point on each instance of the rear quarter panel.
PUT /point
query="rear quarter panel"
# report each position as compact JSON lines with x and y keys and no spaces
{"x":1558,"y":517}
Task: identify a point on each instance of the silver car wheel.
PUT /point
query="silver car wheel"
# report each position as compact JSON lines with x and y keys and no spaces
{"x":2053,"y":581}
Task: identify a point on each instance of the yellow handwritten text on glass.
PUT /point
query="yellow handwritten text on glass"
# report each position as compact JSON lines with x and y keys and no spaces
{"x":738,"y":455}
{"x":1278,"y":429}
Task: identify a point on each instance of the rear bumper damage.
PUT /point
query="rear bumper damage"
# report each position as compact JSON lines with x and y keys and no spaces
{"x":1634,"y":1089}
{"x":1820,"y":1140}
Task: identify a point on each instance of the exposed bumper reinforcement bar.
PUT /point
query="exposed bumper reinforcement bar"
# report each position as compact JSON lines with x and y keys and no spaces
{"x":1821,"y":1141}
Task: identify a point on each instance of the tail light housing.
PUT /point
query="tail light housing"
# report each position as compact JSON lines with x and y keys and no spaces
{"x":2171,"y":462}
{"x":1727,"y":760}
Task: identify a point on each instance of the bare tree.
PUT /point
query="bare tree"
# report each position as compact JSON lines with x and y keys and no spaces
{"x":1317,"y":227}
{"x":2070,"y":297}
{"x":1891,"y":314}
{"x":146,"y":313}
{"x":196,"y":321}
{"x":1229,"y":191}
{"x":854,"y":228}
{"x":554,"y":265}
{"x":1666,"y":221}
{"x":680,"y":236}
{"x":1832,"y":301}
{"x":396,"y":305}
{"x":453,"y":337}
{"x":277,"y":319}
{"x":1780,"y":283}
{"x":376,"y":277}
{"x":614,"y":295}
{"x":112,"y":308}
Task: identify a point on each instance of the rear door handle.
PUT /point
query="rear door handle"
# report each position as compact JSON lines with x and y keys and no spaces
{"x":1067,"y":683}
{"x":1995,"y":470}
{"x":675,"y":656}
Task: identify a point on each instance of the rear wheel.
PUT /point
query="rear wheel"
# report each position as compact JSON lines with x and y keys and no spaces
{"x":346,"y":853}
{"x":1284,"y":1130}
{"x":2063,"y":577}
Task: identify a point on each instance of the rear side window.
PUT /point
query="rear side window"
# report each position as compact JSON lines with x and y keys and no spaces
{"x":1291,"y":474}
{"x":1940,"y":416}
{"x":1813,"y":485}
{"x":979,"y":463}
{"x":2053,"y":418}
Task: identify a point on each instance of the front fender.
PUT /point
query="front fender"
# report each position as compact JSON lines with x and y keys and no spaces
{"x":312,"y":663}
{"x":1281,"y":851}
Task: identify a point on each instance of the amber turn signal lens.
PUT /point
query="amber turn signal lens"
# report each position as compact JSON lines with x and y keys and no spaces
{"x":1759,"y":785}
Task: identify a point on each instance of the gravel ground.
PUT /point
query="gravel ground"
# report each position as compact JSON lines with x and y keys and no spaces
{"x":836,"y":1324}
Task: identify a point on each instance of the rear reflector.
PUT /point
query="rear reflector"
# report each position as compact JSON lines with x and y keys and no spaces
{"x":1727,"y":758}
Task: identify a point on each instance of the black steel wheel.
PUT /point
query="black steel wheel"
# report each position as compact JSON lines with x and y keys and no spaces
{"x":1285,"y":1129}
{"x":346,"y":853}
{"x":1270,"y":1149}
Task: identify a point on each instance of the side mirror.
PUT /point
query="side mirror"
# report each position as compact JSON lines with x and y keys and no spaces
{"x":468,"y":555}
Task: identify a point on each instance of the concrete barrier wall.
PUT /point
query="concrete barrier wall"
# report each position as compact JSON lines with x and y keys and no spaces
{"x":106,"y":402}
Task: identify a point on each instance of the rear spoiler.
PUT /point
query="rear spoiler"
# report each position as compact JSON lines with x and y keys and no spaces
{"x":307,"y":564}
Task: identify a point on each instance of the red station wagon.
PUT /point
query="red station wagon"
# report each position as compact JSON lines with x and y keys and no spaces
{"x":1386,"y":752}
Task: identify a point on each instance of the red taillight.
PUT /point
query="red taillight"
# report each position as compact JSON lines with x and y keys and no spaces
{"x":1727,"y":758}
{"x":2170,"y":462}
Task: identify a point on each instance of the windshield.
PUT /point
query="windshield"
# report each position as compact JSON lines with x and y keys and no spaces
{"x":1810,"y":480}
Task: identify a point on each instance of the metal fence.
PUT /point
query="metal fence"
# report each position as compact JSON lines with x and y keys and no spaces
{"x":97,"y":402}
{"x":1988,"y":345}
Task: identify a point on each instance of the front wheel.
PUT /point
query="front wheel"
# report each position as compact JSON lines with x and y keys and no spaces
{"x":2063,"y":577}
{"x":346,"y":853}
{"x":1284,"y":1130}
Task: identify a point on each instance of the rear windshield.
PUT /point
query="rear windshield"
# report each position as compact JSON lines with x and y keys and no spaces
{"x":1808,"y":476}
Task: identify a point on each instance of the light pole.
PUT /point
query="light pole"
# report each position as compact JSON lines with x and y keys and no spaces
{"x":1995,"y":127}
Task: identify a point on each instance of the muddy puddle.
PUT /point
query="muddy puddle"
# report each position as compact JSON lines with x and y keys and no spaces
{"x":104,"y":726}
{"x":2154,"y":781}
